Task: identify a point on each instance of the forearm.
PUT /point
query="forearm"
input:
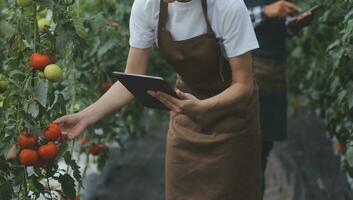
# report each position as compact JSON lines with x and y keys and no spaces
{"x":118,"y":96}
{"x":234,"y":94}
{"x":113,"y":100}
{"x":241,"y":87}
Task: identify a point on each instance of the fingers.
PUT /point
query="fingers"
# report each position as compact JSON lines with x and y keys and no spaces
{"x":169,"y":101}
{"x":170,"y":105}
{"x":291,"y":6}
{"x":181,"y":94}
{"x":61,"y":120}
{"x":184,"y":95}
{"x":74,"y":132}
{"x":169,"y":98}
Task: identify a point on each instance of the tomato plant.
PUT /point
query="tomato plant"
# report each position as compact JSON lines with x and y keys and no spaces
{"x":57,"y":57}
{"x":321,"y":60}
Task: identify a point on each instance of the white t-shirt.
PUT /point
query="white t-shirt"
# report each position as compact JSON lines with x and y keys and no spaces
{"x":229,"y":20}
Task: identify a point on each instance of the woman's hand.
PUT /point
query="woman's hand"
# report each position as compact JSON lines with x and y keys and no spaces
{"x":301,"y":21}
{"x":187,"y":103}
{"x":72,"y":125}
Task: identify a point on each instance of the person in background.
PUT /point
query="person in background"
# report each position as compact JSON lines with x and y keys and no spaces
{"x":270,"y":19}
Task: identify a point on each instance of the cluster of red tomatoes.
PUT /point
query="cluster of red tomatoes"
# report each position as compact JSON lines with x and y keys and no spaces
{"x":45,"y":63}
{"x":35,"y":154}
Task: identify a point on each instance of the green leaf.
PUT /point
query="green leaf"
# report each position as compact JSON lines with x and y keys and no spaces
{"x":6,"y":190}
{"x":77,"y":172}
{"x":101,"y":162}
{"x":33,"y":129}
{"x":68,"y":185}
{"x":67,"y":157}
{"x":350,"y":100}
{"x":41,"y":91}
{"x":33,"y":110}
{"x":38,"y":186}
{"x":51,"y":169}
{"x":80,"y":29}
{"x":105,"y":48}
{"x":341,"y":96}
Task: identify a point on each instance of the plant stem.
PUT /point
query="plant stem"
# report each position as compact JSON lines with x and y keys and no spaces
{"x":25,"y":182}
{"x":84,"y":170}
{"x":71,"y":152}
{"x":51,"y":197}
{"x":36,"y":30}
{"x":19,"y":192}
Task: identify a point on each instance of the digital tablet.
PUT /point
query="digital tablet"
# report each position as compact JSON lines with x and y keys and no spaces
{"x":312,"y":10}
{"x":139,"y":85}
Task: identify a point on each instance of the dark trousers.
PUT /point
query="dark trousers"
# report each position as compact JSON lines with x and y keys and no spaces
{"x":267,"y":147}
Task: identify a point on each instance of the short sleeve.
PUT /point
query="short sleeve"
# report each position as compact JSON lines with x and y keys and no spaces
{"x":141,"y":24}
{"x":237,"y":30}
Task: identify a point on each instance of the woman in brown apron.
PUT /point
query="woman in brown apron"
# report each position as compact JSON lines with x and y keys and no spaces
{"x":213,"y":152}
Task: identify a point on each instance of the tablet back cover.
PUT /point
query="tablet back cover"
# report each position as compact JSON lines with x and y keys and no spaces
{"x":138,"y":85}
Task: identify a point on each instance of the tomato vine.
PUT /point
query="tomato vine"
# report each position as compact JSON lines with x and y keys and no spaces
{"x":86,"y":41}
{"x":321,"y":60}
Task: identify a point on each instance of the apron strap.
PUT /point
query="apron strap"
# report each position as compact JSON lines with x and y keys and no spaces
{"x":163,"y":15}
{"x":204,"y":9}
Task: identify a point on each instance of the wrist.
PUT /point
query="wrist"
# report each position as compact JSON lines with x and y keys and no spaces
{"x":89,"y":116}
{"x":206,"y":106}
{"x":267,"y":11}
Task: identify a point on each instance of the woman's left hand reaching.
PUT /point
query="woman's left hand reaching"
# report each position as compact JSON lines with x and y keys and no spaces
{"x":186,"y":103}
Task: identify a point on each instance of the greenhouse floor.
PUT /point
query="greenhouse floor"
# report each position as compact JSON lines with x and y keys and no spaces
{"x":302,"y":168}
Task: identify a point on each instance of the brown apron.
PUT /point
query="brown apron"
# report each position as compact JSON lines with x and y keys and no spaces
{"x":215,"y":156}
{"x":271,"y":77}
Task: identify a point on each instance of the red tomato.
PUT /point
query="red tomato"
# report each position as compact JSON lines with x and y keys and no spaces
{"x":52,"y":133}
{"x":95,"y":149}
{"x":48,"y":152}
{"x":27,"y":140}
{"x":340,"y":146}
{"x":28,"y":157}
{"x":39,"y":61}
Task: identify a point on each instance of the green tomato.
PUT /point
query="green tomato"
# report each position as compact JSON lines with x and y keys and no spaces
{"x":43,"y":13}
{"x":2,"y":99}
{"x":43,"y":24}
{"x":24,"y":3}
{"x":4,"y":85}
{"x":2,"y":77}
{"x":7,"y":29}
{"x":53,"y":72}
